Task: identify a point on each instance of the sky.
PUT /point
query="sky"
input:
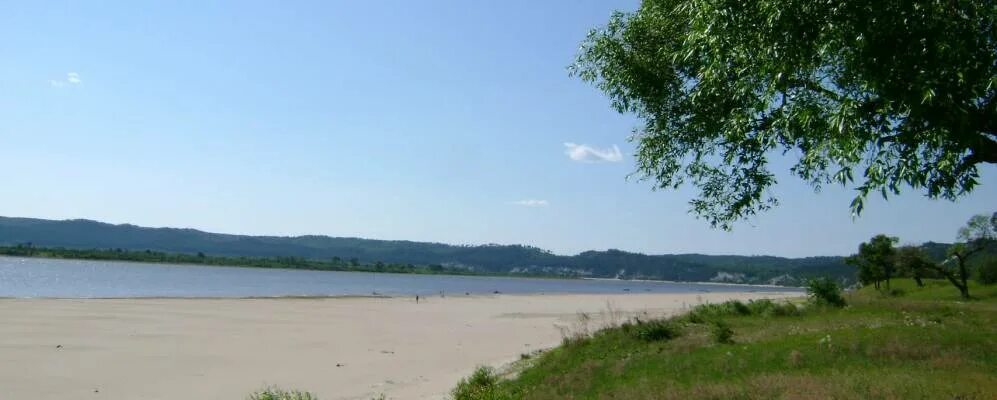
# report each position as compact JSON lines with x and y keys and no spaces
{"x":444,"y":121}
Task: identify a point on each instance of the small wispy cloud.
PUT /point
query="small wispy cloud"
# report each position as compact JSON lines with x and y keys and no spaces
{"x":531,"y":203}
{"x":72,"y":78}
{"x":588,"y":154}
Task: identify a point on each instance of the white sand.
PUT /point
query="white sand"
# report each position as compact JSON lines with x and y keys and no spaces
{"x":226,"y":348}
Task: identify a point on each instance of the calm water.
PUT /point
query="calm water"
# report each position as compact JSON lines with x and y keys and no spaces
{"x":36,"y":277}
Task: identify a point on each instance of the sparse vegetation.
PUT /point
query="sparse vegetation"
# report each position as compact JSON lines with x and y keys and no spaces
{"x":926,"y":344}
{"x":481,"y":385}
{"x":275,"y":393}
{"x":651,"y":331}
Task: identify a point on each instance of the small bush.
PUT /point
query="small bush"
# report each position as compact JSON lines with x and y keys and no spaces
{"x":651,"y":331}
{"x":274,"y":393}
{"x":479,"y":386}
{"x":825,"y":292}
{"x":739,"y":308}
{"x":721,"y":332}
{"x":783,"y":309}
{"x":769,"y":308}
{"x":707,"y":312}
{"x":694,"y":317}
{"x":761,"y":307}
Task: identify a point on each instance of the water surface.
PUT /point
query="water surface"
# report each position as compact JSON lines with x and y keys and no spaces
{"x":40,"y":277}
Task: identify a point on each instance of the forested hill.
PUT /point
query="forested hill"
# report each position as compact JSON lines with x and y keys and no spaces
{"x":86,"y":234}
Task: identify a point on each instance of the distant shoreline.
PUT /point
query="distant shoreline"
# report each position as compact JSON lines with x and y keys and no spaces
{"x":287,"y":263}
{"x":748,"y":287}
{"x":696,"y":282}
{"x":292,"y":263}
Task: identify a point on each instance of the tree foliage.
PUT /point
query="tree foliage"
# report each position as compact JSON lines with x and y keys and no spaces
{"x":913,"y":262}
{"x":826,"y":292}
{"x":977,"y":237}
{"x":880,"y":94}
{"x":875,"y":260}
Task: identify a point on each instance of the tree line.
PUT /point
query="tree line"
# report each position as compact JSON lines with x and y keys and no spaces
{"x":290,"y":262}
{"x":975,"y":254}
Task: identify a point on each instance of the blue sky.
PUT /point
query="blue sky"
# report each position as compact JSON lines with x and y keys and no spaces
{"x":451,"y":121}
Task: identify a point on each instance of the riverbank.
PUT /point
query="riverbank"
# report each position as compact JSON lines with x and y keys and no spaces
{"x":910,"y":343}
{"x":343,"y":348}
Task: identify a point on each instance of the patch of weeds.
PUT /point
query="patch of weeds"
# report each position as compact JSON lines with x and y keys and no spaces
{"x":651,"y":331}
{"x":769,"y":308}
{"x":481,"y":385}
{"x":275,"y":393}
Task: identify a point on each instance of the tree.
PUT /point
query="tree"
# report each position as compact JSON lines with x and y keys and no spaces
{"x":979,"y":235}
{"x":913,"y":262}
{"x":875,"y":260}
{"x":896,"y":93}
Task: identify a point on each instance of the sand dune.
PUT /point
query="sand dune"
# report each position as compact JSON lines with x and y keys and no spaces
{"x":349,"y":348}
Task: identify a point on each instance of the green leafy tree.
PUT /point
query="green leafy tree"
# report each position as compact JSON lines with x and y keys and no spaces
{"x":913,"y":262}
{"x":979,"y":235}
{"x":879,"y":94}
{"x":875,"y":260}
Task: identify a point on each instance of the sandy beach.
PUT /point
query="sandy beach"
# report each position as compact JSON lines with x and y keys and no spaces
{"x":342,"y":348}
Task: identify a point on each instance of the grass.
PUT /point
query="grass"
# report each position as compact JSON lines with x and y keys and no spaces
{"x":918,"y":343}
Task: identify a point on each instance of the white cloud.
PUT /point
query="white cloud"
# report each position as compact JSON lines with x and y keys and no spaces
{"x":588,"y":154}
{"x":531,"y":203}
{"x":72,"y":78}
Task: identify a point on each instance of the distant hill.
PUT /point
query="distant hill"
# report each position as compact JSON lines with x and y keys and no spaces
{"x":87,"y":234}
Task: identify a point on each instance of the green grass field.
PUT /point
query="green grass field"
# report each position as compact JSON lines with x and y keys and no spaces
{"x":923,"y":344}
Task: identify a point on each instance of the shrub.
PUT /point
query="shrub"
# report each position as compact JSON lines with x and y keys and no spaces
{"x":479,"y":386}
{"x":825,"y":292}
{"x":694,"y":317}
{"x":769,"y":308}
{"x":707,"y":312}
{"x":738,"y":308}
{"x":274,"y":393}
{"x":761,"y":307}
{"x":651,"y":331}
{"x":721,"y":332}
{"x":783,"y":309}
